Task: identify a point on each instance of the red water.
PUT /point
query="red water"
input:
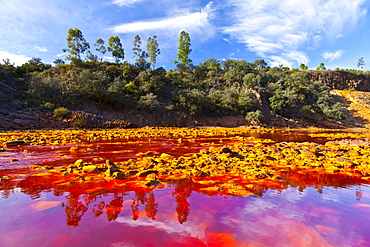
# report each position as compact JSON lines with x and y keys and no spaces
{"x":304,"y":210}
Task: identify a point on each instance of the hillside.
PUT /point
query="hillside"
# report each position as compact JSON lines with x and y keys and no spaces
{"x":228,"y":93}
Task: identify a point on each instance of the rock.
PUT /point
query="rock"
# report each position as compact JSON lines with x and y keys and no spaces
{"x":225,"y":149}
{"x":198,"y":173}
{"x":151,"y":176}
{"x":4,"y":178}
{"x":118,"y":175}
{"x":153,"y":183}
{"x":15,"y":143}
{"x":79,"y":163}
{"x":90,"y":169}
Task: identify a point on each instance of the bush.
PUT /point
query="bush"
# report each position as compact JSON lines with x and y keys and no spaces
{"x":254,"y":117}
{"x":79,"y":122}
{"x":307,"y":111}
{"x":49,"y":106}
{"x":149,"y":102}
{"x":61,"y":112}
{"x":334,"y":112}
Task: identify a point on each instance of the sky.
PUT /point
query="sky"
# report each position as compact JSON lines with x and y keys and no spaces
{"x":282,"y":32}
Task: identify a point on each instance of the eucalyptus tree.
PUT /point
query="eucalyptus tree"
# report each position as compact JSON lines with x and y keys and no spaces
{"x":99,"y":43}
{"x":76,"y":44}
{"x":139,"y":55}
{"x":153,"y":50}
{"x":115,"y":47}
{"x":183,"y":61}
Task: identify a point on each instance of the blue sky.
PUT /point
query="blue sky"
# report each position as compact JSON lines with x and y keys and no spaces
{"x":288,"y":32}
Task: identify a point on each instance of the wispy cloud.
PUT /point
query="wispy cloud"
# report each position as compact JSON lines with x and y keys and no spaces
{"x":126,"y":2}
{"x":188,"y":21}
{"x":280,"y":29}
{"x":331,"y":56}
{"x":16,"y":59}
{"x":42,"y":49}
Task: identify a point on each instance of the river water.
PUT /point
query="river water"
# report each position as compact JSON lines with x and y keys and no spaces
{"x":307,"y":210}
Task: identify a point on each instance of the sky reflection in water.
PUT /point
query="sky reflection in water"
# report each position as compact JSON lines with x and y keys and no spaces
{"x":305,"y":210}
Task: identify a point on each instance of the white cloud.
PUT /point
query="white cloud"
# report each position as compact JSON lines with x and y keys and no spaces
{"x":331,"y":56}
{"x":16,"y":59}
{"x":126,"y":2}
{"x":62,"y":54}
{"x":42,"y":49}
{"x":278,"y":29}
{"x":196,"y":21}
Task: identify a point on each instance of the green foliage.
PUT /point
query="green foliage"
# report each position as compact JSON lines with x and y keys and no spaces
{"x":183,"y":61}
{"x":153,"y":50}
{"x":79,"y":122}
{"x":210,"y":88}
{"x":321,"y":67}
{"x":61,"y":112}
{"x":139,"y":55}
{"x":49,"y":106}
{"x":303,"y":67}
{"x":334,"y":112}
{"x":254,"y":117}
{"x":149,"y":103}
{"x":76,"y":44}
{"x":58,"y":61}
{"x":116,"y":48}
{"x":99,"y":43}
{"x":280,"y":103}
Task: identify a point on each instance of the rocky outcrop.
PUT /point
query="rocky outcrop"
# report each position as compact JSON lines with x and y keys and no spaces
{"x":342,"y":80}
{"x":29,"y":119}
{"x":88,"y":120}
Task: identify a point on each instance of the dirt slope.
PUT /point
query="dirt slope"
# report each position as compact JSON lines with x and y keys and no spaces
{"x":357,"y":107}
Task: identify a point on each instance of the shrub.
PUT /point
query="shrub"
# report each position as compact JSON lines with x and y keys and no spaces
{"x":149,"y":102}
{"x":334,"y":112}
{"x":79,"y":122}
{"x":254,"y":117}
{"x":307,"y":111}
{"x":49,"y":106}
{"x":61,"y":112}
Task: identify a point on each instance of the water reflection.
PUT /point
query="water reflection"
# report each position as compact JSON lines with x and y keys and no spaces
{"x":80,"y":198}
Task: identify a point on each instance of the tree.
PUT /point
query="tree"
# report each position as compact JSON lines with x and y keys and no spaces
{"x":184,"y":61}
{"x":153,"y":50}
{"x":139,"y":54}
{"x":76,"y":44}
{"x":58,"y":61}
{"x":321,"y":67}
{"x":303,"y":66}
{"x":360,"y":63}
{"x":99,"y":43}
{"x":115,"y":47}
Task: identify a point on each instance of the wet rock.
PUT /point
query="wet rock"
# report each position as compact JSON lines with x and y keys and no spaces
{"x":118,"y":175}
{"x":153,"y":183}
{"x":79,"y":164}
{"x":225,"y":149}
{"x":151,"y":176}
{"x":90,"y":169}
{"x":15,"y":143}
{"x":198,"y":173}
{"x":5,"y":178}
{"x":145,"y":173}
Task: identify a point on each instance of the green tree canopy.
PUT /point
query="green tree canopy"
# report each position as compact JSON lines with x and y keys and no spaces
{"x":76,"y":44}
{"x":153,"y":50}
{"x":99,"y":43}
{"x":303,"y":66}
{"x":139,"y":55}
{"x":321,"y":67}
{"x":183,"y":60}
{"x":115,"y":47}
